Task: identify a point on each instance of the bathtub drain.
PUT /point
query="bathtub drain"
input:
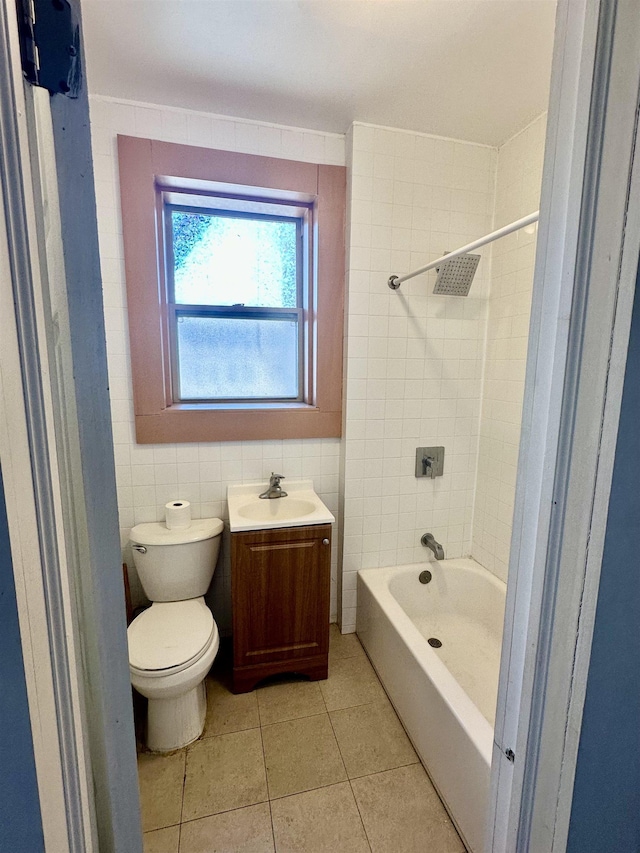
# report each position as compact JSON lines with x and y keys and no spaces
{"x":434,"y":642}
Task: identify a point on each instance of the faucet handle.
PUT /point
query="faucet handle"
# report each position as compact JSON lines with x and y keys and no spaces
{"x":427,"y":467}
{"x":275,"y":478}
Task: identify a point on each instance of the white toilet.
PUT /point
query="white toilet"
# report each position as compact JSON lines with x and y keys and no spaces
{"x":173,"y":643}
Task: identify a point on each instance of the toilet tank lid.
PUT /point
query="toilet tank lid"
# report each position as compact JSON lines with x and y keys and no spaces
{"x":157,"y":532}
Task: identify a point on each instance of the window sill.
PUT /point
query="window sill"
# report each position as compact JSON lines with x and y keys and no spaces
{"x":203,"y":423}
{"x":242,"y":407}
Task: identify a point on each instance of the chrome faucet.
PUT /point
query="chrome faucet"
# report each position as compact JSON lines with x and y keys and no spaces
{"x":428,"y":541}
{"x":275,"y":490}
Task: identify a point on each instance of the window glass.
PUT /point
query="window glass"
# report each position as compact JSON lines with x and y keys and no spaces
{"x":222,"y":259}
{"x":237,"y":358}
{"x":236,"y":307}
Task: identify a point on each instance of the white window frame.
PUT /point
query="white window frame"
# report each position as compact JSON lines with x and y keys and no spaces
{"x":250,"y":209}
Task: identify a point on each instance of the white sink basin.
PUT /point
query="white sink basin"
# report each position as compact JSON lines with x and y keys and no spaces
{"x":277,"y":509}
{"x":247,"y":511}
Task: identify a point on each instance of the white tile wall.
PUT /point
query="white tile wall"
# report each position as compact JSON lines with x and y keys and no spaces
{"x":519,"y":173}
{"x":149,"y":476}
{"x":414,"y":360}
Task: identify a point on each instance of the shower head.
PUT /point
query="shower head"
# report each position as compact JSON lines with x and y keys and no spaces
{"x":455,"y":276}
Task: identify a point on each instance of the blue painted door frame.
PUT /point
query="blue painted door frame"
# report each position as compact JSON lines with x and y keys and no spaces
{"x":605,"y":813}
{"x":20,"y":821}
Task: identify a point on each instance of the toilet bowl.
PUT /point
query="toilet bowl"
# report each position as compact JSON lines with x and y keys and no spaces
{"x":171,"y":648}
{"x":173,"y":643}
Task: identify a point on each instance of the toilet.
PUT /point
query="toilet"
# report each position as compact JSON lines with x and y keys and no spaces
{"x":173,"y":643}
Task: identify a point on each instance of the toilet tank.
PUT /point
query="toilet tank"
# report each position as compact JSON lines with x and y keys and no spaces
{"x":175,"y":565}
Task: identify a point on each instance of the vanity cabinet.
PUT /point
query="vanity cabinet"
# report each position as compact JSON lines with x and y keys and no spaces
{"x":280,"y":585}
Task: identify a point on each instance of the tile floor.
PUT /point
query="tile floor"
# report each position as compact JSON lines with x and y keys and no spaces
{"x":296,"y":767}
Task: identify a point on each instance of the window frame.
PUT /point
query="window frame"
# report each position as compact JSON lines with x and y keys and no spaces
{"x":149,"y":169}
{"x":239,"y":312}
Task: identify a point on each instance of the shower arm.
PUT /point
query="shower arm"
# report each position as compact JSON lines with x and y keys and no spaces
{"x":395,"y":281}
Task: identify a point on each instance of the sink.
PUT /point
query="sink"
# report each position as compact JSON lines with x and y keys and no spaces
{"x":301,"y":506}
{"x":277,"y":509}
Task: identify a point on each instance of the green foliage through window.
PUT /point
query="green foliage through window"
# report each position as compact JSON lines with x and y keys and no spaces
{"x":226,"y":260}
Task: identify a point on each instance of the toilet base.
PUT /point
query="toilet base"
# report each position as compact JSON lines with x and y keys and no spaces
{"x":174,"y":723}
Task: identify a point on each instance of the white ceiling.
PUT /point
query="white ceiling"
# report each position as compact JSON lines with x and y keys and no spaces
{"x":471,"y":69}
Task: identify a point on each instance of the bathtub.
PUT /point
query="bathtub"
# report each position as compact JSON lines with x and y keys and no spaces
{"x":445,"y":696}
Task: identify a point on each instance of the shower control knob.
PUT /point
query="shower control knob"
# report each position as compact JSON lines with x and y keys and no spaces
{"x":325,"y":541}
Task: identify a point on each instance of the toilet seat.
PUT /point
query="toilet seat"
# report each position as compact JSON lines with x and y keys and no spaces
{"x":170,"y":636}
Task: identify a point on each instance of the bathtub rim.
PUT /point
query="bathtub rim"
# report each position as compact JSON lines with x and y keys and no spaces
{"x":460,"y":704}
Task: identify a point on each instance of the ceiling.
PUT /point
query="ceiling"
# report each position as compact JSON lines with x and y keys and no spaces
{"x":470,"y":69}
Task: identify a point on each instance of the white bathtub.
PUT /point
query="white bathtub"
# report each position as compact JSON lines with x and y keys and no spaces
{"x":445,"y":697}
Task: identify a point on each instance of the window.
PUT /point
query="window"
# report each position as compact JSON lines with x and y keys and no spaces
{"x":237,"y":293}
{"x":235,"y":272}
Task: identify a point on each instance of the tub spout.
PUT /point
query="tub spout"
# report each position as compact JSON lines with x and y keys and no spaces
{"x":428,"y":541}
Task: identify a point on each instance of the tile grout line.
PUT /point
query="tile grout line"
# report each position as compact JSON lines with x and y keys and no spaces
{"x":307,"y":791}
{"x":184,"y":786}
{"x":258,"y":709}
{"x":215,"y":814}
{"x":364,"y":828}
{"x":387,"y":770}
{"x":335,"y":737}
{"x":324,"y":701}
{"x":273,"y":832}
{"x":349,"y":782}
{"x":338,"y":743}
{"x":266,"y":776}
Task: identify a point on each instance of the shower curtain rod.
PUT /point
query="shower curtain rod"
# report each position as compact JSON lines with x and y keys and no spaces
{"x":395,"y":281}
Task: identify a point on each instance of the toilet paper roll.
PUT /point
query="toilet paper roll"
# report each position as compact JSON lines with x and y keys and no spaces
{"x":177,"y":515}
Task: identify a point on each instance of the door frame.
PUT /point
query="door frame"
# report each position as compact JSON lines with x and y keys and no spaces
{"x":56,"y":451}
{"x":32,"y":493}
{"x":584,"y":284}
{"x":588,"y":235}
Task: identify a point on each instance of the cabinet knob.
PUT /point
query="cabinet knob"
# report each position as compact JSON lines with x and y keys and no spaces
{"x":325,"y":541}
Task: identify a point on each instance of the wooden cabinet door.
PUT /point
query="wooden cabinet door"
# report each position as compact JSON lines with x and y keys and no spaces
{"x":280,"y":591}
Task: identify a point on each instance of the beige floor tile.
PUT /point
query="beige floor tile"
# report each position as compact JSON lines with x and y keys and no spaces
{"x":162,"y":840}
{"x":228,"y":712}
{"x":401,"y":811}
{"x":371,"y":739}
{"x":245,"y":830}
{"x":223,"y":773}
{"x":289,"y":701}
{"x":343,"y":645}
{"x":352,"y":681}
{"x":300,"y":755}
{"x":322,"y":821}
{"x":160,"y":778}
